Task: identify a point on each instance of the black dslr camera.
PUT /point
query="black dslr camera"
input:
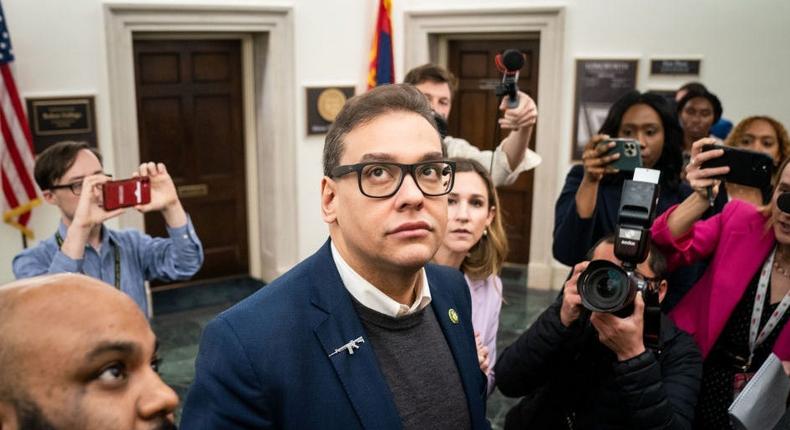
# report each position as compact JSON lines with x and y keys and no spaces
{"x":607,"y":287}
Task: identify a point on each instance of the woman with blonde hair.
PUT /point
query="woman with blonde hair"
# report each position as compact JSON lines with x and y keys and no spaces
{"x":759,"y":133}
{"x":476,"y":244}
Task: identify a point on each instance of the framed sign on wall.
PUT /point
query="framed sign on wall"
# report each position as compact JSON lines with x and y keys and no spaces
{"x":53,"y":119}
{"x":598,"y":84}
{"x":675,"y":67}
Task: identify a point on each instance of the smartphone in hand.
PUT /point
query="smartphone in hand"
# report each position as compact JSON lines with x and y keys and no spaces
{"x":750,"y":168}
{"x":126,"y":193}
{"x":630,"y":153}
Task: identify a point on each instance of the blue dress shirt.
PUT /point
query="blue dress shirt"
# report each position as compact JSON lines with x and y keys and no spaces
{"x":141,"y":258}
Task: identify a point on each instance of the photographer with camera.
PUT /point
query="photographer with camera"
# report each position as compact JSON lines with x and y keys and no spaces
{"x":737,"y":311}
{"x":71,"y":177}
{"x":593,"y":370}
{"x":512,"y":156}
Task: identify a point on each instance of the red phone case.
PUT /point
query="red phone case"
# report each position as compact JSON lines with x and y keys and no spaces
{"x":126,"y":193}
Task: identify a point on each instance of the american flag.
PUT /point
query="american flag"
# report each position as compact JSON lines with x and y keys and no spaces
{"x":16,"y":144}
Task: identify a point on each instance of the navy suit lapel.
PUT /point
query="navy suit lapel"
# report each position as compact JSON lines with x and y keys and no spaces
{"x":359,"y":373}
{"x":460,"y":338}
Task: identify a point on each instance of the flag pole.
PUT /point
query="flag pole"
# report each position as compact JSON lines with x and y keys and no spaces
{"x":24,"y":241}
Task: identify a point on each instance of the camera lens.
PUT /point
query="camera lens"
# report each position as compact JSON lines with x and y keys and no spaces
{"x":608,"y":284}
{"x":605,"y":287}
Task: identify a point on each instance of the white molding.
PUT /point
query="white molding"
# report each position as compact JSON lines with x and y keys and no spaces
{"x":421,"y":25}
{"x":271,"y":156}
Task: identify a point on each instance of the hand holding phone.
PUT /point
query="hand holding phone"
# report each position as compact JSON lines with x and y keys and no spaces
{"x":126,"y":193}
{"x":630,"y":153}
{"x":750,"y":168}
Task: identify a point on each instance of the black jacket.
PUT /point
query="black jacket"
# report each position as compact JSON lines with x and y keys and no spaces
{"x":572,"y":381}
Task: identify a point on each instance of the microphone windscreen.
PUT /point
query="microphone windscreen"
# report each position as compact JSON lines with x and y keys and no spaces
{"x":513,"y":60}
{"x":783,"y":202}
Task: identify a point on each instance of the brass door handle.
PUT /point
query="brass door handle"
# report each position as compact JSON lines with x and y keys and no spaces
{"x":192,"y":190}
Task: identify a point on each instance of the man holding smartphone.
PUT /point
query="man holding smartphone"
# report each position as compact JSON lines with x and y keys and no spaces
{"x":70,"y":175}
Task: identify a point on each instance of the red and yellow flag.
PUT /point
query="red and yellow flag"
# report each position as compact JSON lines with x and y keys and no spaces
{"x":381,"y":70}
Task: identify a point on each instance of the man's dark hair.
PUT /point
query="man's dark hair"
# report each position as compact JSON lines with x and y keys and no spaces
{"x":362,"y":109}
{"x":56,"y":160}
{"x":671,"y":161}
{"x":709,"y":96}
{"x":655,"y":258}
{"x":432,"y":73}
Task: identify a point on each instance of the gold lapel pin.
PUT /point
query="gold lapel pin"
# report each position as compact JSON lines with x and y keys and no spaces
{"x":453,"y":316}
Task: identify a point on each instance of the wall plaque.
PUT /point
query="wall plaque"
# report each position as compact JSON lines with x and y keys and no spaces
{"x":54,"y":119}
{"x":674,"y":67}
{"x":323,"y":105}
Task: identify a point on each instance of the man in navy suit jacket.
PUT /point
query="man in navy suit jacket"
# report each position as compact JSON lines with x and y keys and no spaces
{"x":362,"y":334}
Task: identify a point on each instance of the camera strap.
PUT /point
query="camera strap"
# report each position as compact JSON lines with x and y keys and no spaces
{"x":755,"y":337}
{"x":652,"y":320}
{"x":116,"y":253}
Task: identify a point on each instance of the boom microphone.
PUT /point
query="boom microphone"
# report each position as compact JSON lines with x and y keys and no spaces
{"x":509,"y":63}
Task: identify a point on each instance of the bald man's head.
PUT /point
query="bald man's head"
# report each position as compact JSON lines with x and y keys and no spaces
{"x":79,"y":354}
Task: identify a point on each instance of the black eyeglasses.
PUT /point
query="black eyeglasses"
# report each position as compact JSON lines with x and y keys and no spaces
{"x":380,"y":180}
{"x":75,"y":187}
{"x":653,"y":282}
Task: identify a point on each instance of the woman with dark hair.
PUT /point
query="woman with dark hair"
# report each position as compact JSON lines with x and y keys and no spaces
{"x":587,"y":207}
{"x":697,"y":111}
{"x":476,"y":244}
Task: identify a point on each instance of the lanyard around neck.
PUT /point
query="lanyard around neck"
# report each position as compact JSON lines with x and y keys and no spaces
{"x":116,"y":252}
{"x":756,"y":338}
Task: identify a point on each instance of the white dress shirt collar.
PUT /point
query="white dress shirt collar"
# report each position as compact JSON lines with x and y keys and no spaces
{"x":371,"y":297}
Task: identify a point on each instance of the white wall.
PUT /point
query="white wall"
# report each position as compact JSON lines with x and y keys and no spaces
{"x":60,"y":49}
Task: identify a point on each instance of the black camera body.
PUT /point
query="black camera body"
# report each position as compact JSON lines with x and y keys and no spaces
{"x":605,"y":286}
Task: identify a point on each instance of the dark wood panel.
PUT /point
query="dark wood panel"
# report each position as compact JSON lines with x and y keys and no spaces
{"x":210,"y":67}
{"x":161,"y":126}
{"x":160,"y":68}
{"x":213,"y":135}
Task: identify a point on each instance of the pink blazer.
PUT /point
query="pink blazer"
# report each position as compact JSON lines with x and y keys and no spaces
{"x":739,"y":244}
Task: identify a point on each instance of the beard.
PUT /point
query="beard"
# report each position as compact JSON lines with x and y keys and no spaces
{"x":30,"y":417}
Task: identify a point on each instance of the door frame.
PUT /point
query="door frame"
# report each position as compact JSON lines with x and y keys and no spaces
{"x":426,"y":33}
{"x":268,"y":110}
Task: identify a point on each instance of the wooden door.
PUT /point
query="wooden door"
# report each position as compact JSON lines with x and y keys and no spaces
{"x":189,"y":112}
{"x":473,"y":117}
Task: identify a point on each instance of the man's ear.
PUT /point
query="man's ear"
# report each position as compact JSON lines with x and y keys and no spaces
{"x":49,"y":197}
{"x":8,"y":418}
{"x":328,"y":200}
{"x":662,"y":290}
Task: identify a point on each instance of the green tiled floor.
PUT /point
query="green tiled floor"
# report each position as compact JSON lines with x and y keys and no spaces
{"x":181,"y":315}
